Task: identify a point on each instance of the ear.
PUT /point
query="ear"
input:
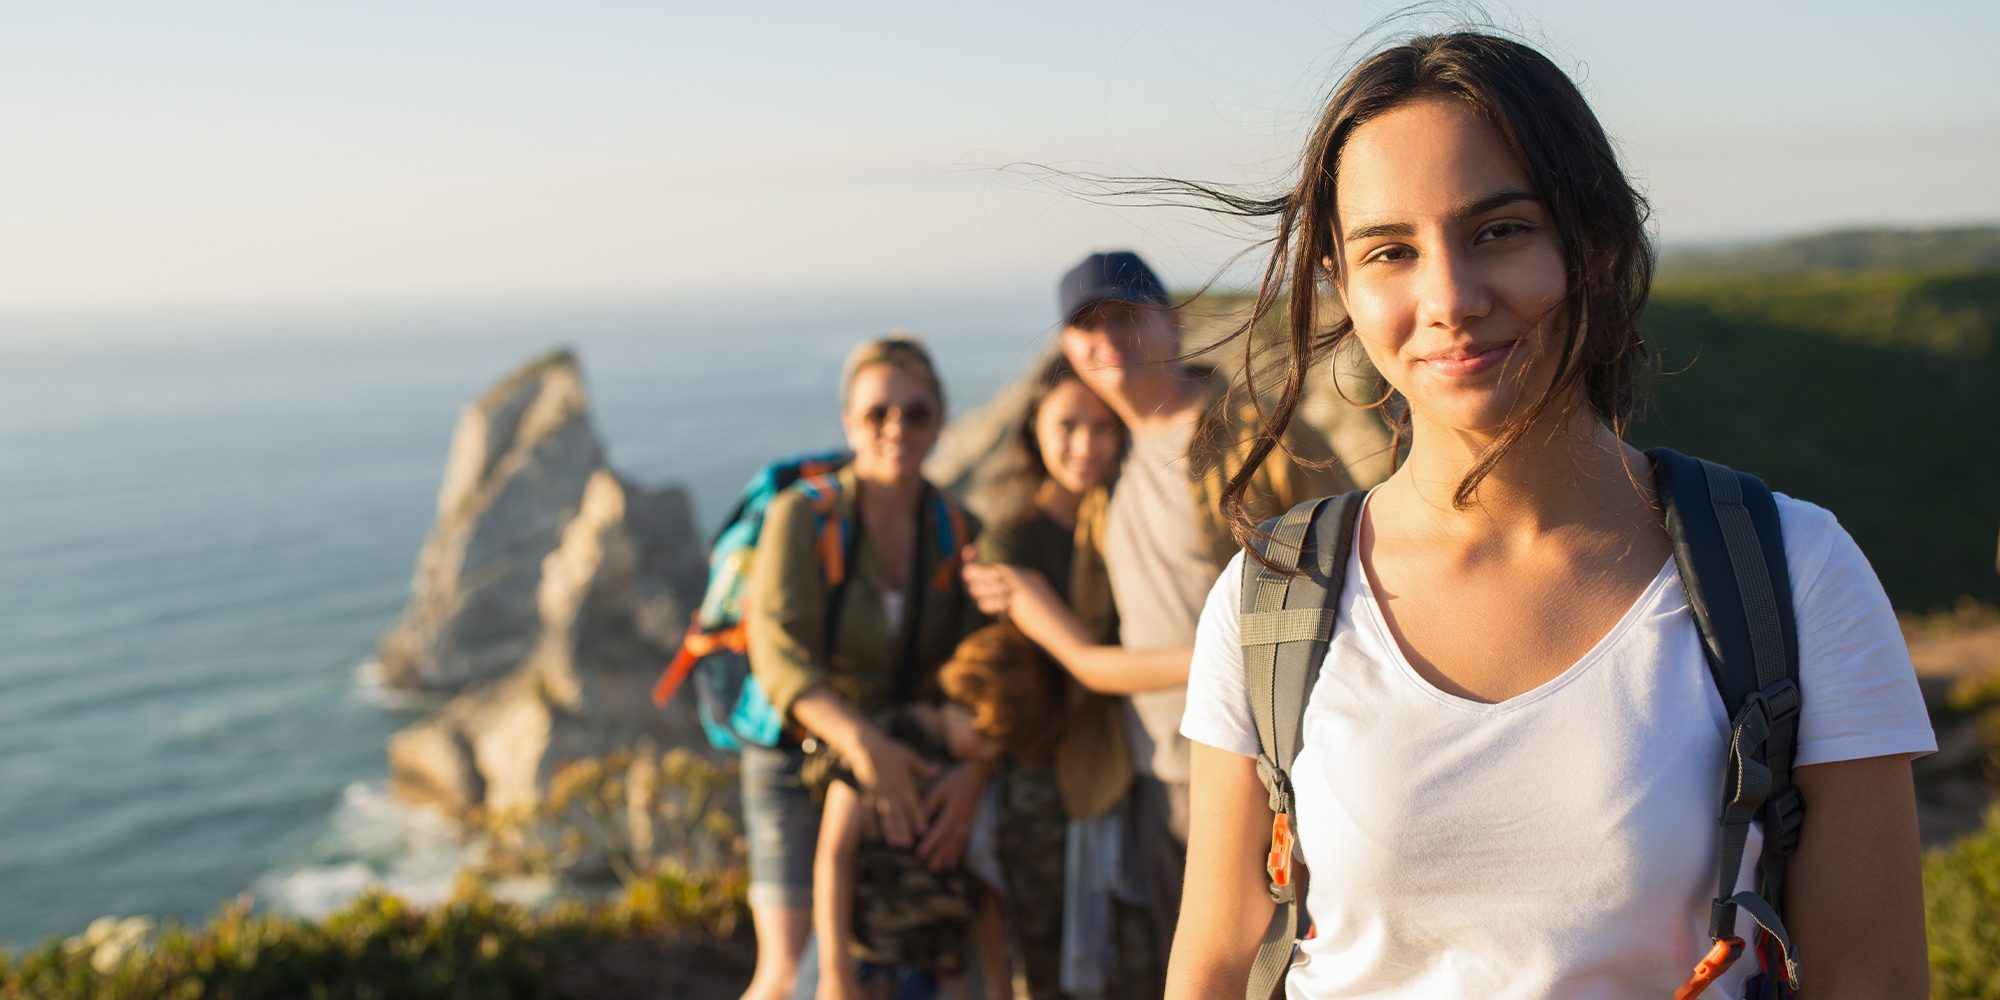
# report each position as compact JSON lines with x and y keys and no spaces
{"x":1335,"y":276}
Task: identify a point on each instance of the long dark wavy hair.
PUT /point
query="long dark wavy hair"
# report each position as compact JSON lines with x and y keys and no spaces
{"x":1598,"y":216}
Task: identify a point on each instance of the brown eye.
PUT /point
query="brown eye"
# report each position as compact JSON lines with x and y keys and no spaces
{"x":918,"y":417}
{"x":875,"y":416}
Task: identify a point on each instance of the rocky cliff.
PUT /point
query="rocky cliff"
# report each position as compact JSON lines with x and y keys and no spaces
{"x":520,"y":458}
{"x":549,"y":594}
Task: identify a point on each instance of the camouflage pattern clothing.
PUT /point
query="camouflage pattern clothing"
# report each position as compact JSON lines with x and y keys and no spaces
{"x":1033,"y":833}
{"x":905,"y":914}
{"x":1033,"y":843}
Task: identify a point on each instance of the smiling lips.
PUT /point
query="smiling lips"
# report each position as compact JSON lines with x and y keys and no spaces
{"x":1465,"y":362}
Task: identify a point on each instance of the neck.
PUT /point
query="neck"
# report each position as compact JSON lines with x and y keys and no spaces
{"x":1162,"y":396}
{"x":1564,"y":472}
{"x":1056,"y":503}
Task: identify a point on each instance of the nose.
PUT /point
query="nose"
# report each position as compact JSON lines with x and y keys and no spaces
{"x":1451,"y":290}
{"x":1077,"y":444}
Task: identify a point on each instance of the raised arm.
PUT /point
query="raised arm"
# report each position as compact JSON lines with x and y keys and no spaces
{"x":1027,"y":598}
{"x":1226,"y":903}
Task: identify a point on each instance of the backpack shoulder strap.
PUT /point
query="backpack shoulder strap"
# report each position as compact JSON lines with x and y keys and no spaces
{"x":953,"y":530}
{"x":822,"y":493}
{"x":838,"y":537}
{"x":1286,"y":622}
{"x":1729,"y":549}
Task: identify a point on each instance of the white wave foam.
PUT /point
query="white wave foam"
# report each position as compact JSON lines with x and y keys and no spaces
{"x":375,"y":841}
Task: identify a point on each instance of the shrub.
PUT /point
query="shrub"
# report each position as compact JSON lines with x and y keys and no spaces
{"x":472,"y":946}
{"x":1962,"y":915}
{"x":660,"y":823}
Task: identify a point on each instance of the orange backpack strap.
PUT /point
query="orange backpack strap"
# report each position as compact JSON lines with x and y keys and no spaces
{"x":823,"y":491}
{"x":695,"y":645}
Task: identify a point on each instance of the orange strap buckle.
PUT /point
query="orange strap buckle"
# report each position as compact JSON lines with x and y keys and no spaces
{"x":1279,"y":864}
{"x":1711,"y":967}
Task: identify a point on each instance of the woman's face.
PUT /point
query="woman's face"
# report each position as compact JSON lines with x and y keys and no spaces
{"x":891,"y":422}
{"x":1078,"y":435}
{"x":1449,"y":264}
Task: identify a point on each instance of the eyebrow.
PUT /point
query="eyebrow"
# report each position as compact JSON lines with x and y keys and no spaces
{"x":1466,"y":211}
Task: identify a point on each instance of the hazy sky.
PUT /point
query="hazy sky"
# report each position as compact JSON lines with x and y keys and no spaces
{"x":300,"y":152}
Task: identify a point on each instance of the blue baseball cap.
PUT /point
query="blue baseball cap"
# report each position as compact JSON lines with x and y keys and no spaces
{"x":1117,"y":276}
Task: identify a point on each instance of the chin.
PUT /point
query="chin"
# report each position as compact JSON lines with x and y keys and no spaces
{"x":1482,"y":417}
{"x":1099,"y":379}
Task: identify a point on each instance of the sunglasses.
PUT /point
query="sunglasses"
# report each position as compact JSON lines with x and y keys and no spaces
{"x":915,"y":417}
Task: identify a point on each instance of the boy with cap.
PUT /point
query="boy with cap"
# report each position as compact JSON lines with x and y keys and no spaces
{"x":1150,"y":548}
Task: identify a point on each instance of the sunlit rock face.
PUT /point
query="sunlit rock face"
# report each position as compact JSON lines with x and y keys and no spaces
{"x":549,"y":595}
{"x":519,"y":461}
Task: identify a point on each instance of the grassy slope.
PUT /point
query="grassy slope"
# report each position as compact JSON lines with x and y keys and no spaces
{"x":1873,"y":395}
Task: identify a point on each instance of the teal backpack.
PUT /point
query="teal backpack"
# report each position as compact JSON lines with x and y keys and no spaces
{"x":1731,"y":557}
{"x":733,"y":710}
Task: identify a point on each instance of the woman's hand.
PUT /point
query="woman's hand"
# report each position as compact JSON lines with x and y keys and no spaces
{"x":890,"y":772}
{"x":1026,"y":597}
{"x":1041,"y":614}
{"x":990,"y":584}
{"x":952,"y":805}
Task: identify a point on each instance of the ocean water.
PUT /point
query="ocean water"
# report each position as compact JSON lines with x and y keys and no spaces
{"x":207,"y":521}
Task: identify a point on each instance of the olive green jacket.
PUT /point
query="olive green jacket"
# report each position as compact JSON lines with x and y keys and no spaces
{"x":787,"y":608}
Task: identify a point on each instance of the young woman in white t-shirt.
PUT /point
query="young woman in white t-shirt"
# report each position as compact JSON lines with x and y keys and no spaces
{"x":1514,"y":751}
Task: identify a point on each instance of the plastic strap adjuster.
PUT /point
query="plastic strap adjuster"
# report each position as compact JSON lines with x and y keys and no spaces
{"x":1720,"y":957}
{"x":1277,"y":785}
{"x":1279,"y":863}
{"x":1780,"y":700}
{"x":1784,"y":816}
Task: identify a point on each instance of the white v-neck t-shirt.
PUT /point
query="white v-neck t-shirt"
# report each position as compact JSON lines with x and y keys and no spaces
{"x":1560,"y":843}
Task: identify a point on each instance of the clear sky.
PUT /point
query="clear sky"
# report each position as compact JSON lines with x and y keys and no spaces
{"x":270,"y":152}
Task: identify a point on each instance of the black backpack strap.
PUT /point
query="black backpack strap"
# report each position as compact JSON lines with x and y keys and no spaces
{"x":1286,"y":623}
{"x":1730,"y":551}
{"x":904,"y":687}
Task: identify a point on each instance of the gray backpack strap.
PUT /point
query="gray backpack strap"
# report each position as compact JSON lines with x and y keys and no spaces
{"x":1729,"y":549}
{"x":1286,"y":624}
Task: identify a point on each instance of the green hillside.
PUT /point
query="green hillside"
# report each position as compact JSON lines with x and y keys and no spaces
{"x":1954,"y":248}
{"x":1872,"y":395}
